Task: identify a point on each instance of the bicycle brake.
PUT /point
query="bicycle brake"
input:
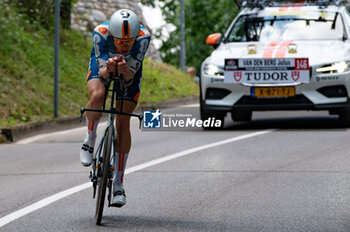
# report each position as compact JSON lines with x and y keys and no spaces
{"x":82,"y":110}
{"x":140,"y":119}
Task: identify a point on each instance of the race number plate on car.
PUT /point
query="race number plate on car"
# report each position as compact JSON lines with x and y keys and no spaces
{"x":267,"y":71}
{"x":272,"y":92}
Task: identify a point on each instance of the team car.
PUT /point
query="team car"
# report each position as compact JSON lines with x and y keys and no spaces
{"x":279,"y":55}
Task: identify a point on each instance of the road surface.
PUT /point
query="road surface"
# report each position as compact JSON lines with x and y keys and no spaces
{"x":285,"y":171}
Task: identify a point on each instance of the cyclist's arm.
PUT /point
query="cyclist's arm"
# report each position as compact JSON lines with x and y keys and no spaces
{"x":138,"y":54}
{"x":129,"y":75}
{"x":104,"y":73}
{"x":101,"y":51}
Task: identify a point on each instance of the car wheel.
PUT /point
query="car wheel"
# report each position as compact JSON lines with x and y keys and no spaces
{"x":206,"y":115}
{"x":241,"y":115}
{"x":344,"y":118}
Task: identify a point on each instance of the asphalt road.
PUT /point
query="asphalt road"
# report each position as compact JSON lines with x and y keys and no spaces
{"x":293,"y":176}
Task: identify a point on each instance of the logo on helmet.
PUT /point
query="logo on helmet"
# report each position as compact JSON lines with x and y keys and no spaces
{"x":125,"y":14}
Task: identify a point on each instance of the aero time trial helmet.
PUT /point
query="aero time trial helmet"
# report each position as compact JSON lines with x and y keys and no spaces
{"x":124,"y":24}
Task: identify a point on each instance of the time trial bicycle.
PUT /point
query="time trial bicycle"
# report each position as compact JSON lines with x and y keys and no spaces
{"x":103,"y":168}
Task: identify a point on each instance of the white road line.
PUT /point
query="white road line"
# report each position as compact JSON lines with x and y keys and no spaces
{"x":40,"y":204}
{"x":41,"y":136}
{"x":61,"y":133}
{"x":49,"y":200}
{"x":58,"y":133}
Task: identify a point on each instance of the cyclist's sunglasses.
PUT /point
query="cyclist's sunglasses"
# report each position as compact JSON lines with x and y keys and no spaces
{"x":124,"y":41}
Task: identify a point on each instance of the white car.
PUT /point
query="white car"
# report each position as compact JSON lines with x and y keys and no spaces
{"x":277,"y":56}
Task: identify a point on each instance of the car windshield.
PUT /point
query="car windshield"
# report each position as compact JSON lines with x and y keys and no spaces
{"x":326,"y":26}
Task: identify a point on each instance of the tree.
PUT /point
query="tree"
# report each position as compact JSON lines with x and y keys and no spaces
{"x":43,"y":11}
{"x":201,"y":19}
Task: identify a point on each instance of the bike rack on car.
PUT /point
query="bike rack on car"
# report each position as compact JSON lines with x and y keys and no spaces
{"x":280,"y":3}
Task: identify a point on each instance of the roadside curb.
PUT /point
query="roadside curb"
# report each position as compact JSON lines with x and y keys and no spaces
{"x":16,"y":133}
{"x":170,"y":103}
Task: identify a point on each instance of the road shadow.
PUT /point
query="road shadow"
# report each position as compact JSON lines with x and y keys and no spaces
{"x":283,"y":120}
{"x":325,"y":123}
{"x":149,"y":223}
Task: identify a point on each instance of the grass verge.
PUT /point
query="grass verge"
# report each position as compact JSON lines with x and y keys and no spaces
{"x":27,"y":71}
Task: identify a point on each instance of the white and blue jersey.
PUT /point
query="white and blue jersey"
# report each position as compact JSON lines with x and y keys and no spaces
{"x":104,"y":49}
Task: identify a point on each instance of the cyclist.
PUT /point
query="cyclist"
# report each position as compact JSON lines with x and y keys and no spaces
{"x":119,"y":44}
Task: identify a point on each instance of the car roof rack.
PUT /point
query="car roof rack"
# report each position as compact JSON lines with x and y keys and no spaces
{"x":280,"y":3}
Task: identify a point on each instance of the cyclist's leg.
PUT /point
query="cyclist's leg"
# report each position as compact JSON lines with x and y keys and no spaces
{"x":122,"y":153}
{"x":124,"y":138}
{"x":96,"y":91}
{"x":123,"y":127}
{"x":131,"y":98}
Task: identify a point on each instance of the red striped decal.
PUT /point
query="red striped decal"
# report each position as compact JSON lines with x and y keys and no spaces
{"x":136,"y":97}
{"x":119,"y":162}
{"x":282,"y":50}
{"x":141,"y":34}
{"x":284,"y":8}
{"x":92,"y":125}
{"x":296,"y":8}
{"x":270,"y":49}
{"x":123,"y":162}
{"x":122,"y":178}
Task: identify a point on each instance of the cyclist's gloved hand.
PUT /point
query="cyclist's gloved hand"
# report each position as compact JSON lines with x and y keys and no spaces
{"x":122,"y":66}
{"x":112,"y":64}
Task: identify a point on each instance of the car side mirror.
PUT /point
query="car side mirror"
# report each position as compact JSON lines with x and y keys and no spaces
{"x":214,"y":39}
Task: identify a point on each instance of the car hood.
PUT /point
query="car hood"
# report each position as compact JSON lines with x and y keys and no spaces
{"x":318,"y":52}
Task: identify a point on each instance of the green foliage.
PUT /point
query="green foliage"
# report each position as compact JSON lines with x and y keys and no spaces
{"x":66,"y":9}
{"x":148,"y":2}
{"x":163,"y":82}
{"x":201,"y":19}
{"x":27,"y":70}
{"x":42,"y":11}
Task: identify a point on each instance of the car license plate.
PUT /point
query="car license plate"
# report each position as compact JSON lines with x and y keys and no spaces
{"x":273,"y":92}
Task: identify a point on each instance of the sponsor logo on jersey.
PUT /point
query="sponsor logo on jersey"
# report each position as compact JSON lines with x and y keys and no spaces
{"x":102,"y":30}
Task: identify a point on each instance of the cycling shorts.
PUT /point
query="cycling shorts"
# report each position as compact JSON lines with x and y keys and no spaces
{"x":132,"y":92}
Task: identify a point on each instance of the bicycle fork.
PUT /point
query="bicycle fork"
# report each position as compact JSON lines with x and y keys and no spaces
{"x":96,"y":169}
{"x":111,"y":168}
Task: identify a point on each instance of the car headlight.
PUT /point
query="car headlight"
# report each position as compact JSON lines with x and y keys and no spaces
{"x":213,"y":70}
{"x":339,"y":67}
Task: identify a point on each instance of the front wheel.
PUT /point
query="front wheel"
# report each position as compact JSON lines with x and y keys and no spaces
{"x":102,"y":184}
{"x":212,"y":120}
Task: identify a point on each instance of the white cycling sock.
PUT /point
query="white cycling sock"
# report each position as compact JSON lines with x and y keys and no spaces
{"x":120,"y":163}
{"x":92,"y":129}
